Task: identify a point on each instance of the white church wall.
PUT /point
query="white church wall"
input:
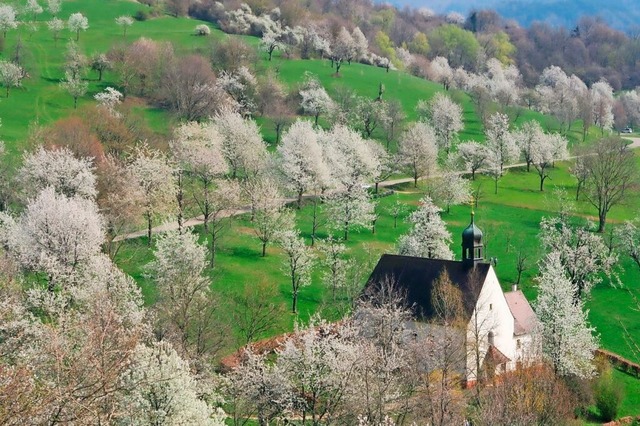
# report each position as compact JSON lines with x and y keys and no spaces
{"x":491,"y":314}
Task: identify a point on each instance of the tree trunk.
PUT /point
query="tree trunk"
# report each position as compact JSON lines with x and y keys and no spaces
{"x":149,"y":220}
{"x":602,"y":222}
{"x":542,"y":178}
{"x":300,"y":192}
{"x":214,"y":237}
{"x":294,"y":299}
{"x":264,"y":248}
{"x":496,"y":184}
{"x":346,"y":231}
{"x":180,"y":201}
{"x":75,"y":102}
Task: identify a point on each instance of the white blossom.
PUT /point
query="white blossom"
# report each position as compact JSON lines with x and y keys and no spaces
{"x":60,"y":170}
{"x":7,"y":19}
{"x":567,"y":339}
{"x":602,"y":105}
{"x":125,"y":22}
{"x":429,"y":237}
{"x":301,"y":160}
{"x":241,"y":86}
{"x":198,"y":147}
{"x":56,"y":234}
{"x":455,"y":18}
{"x":270,"y":42}
{"x":164,"y":391}
{"x":242,"y":145}
{"x":440,"y":71}
{"x":473,"y":156}
{"x":315,"y":99}
{"x":109,"y":99}
{"x":298,"y":263}
{"x":445,"y":116}
{"x":77,"y":22}
{"x":582,"y":252}
{"x":539,"y":148}
{"x":360,"y":43}
{"x":10,"y":75}
{"x":34,"y":8}
{"x":559,"y":94}
{"x":417,"y":150}
{"x":501,"y":146}
{"x":153,"y":177}
{"x":54,"y":6}
{"x":450,"y":187}
{"x":503,"y":82}
{"x":75,"y":86}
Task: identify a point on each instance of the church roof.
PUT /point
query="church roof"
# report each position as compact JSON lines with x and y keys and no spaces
{"x":495,"y":357}
{"x":524,"y":318}
{"x":415,"y":277}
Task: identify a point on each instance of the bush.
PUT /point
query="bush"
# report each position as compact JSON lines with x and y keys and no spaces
{"x":202,"y":30}
{"x":141,"y":15}
{"x":608,"y":395}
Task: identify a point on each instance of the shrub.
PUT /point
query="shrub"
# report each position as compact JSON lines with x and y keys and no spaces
{"x":202,"y":30}
{"x":608,"y":395}
{"x":141,"y":15}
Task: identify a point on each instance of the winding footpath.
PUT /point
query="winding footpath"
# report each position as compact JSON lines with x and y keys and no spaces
{"x":199,"y":220}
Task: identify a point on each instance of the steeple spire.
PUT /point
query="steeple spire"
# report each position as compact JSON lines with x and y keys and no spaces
{"x":472,"y":248}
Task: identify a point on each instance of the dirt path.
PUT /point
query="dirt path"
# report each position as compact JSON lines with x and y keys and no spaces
{"x":170,"y":226}
{"x":635,"y":142}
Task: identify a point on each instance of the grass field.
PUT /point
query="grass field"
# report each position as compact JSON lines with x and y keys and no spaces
{"x":509,"y":219}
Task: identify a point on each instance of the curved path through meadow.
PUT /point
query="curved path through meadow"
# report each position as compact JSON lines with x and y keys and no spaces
{"x":170,"y":226}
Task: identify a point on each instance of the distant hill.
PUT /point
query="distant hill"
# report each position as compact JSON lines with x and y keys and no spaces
{"x":622,"y":14}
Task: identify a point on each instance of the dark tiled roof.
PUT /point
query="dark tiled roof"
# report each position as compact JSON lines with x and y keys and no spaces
{"x":415,"y":276}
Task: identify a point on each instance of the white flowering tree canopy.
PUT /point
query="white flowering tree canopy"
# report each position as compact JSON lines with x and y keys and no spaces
{"x":7,"y":19}
{"x":583,"y":254}
{"x":10,"y":75}
{"x":315,"y":99}
{"x":56,"y":234}
{"x":58,"y":169}
{"x":242,"y":145}
{"x":429,"y":237}
{"x":198,"y":148}
{"x":445,"y":116}
{"x":301,"y":160}
{"x":567,"y":339}
{"x":164,"y":391}
{"x":418,"y":151}
{"x":77,"y":22}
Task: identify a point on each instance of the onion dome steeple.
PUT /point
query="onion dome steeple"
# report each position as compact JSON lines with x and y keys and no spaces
{"x":472,"y":249}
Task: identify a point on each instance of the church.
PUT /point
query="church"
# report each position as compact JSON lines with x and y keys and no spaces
{"x":499,"y":326}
